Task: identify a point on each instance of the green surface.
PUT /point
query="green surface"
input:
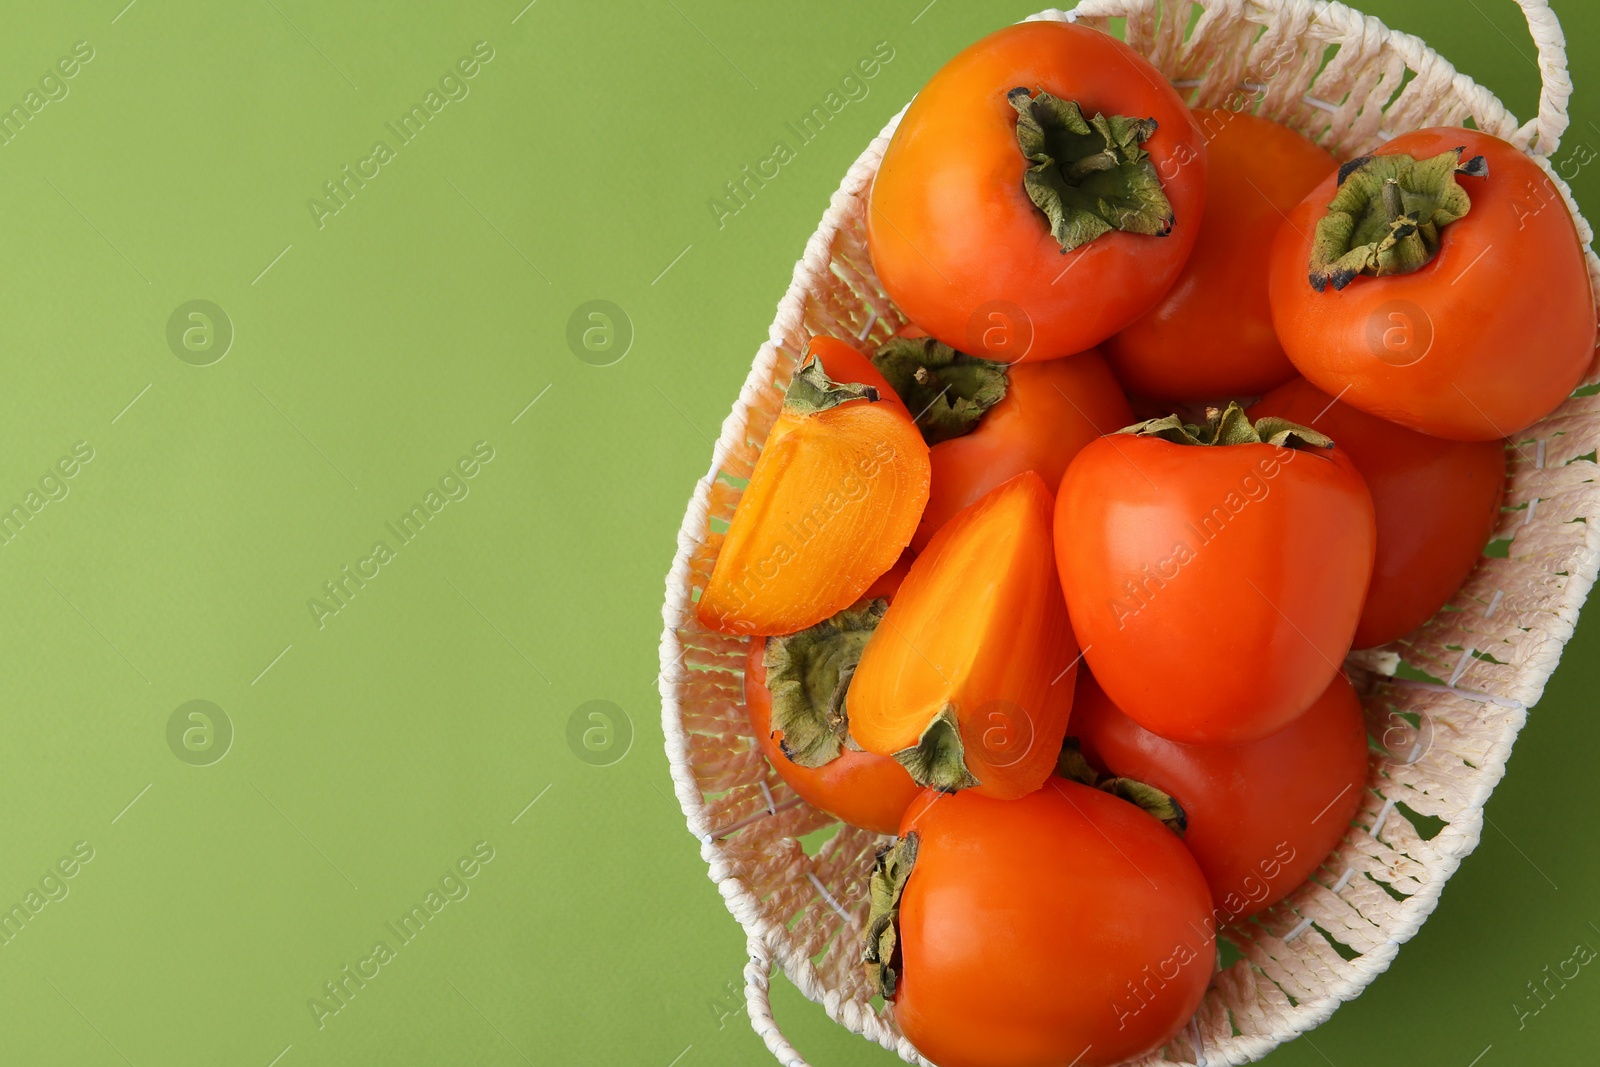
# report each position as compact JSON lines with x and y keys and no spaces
{"x":382,"y":752}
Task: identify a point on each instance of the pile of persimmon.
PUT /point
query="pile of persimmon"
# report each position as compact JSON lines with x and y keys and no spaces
{"x":1088,"y":671}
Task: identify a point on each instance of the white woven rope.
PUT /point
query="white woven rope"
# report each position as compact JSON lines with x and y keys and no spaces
{"x":805,"y":912}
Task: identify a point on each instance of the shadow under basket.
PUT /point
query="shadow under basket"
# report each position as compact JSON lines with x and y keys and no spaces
{"x":1348,"y":82}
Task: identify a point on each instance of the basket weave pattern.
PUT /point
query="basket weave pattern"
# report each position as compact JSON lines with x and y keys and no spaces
{"x":1495,"y":644}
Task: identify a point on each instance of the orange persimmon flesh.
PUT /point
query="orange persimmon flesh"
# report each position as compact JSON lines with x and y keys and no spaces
{"x":834,"y":499}
{"x":968,"y":681}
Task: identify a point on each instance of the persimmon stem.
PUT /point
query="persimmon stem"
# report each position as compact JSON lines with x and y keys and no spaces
{"x":880,"y":949}
{"x":1387,"y":215}
{"x":1089,"y":176}
{"x":948,"y":391}
{"x":1073,"y":766}
{"x":812,"y":391}
{"x":1393,"y":202}
{"x":1091,"y":164}
{"x":1230,"y":427}
{"x":939,"y":758}
{"x":808,"y":675}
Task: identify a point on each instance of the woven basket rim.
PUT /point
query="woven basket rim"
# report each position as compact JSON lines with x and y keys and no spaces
{"x":1455,"y":841}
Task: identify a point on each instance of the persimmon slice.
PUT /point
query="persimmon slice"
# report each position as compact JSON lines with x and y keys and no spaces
{"x":968,"y":680}
{"x":833,"y":501}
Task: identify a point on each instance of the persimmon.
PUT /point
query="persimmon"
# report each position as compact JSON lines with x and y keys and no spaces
{"x":968,"y":679}
{"x":1258,"y":817}
{"x":1215,"y":573}
{"x":1211,"y":336}
{"x":832,"y":502}
{"x":1064,"y":929}
{"x":1439,"y":283}
{"x":1436,"y":503}
{"x":986,"y":421}
{"x":1040,"y":193}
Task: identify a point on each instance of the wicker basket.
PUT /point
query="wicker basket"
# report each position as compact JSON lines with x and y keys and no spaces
{"x":1495,"y":646}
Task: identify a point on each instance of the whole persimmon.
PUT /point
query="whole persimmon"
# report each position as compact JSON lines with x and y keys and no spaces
{"x":1042,"y":191}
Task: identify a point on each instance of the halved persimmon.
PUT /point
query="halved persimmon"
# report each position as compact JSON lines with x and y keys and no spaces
{"x":832,"y":502}
{"x":968,"y":680}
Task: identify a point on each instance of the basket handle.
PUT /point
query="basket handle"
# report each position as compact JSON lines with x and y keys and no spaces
{"x":1542,"y":134}
{"x":758,"y":1003}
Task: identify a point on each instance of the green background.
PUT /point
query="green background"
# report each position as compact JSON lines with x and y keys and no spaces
{"x":370,"y":353}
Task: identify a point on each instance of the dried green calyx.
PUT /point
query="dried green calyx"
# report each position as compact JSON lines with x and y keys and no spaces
{"x":812,"y":391}
{"x":1230,"y":426}
{"x":880,"y":949}
{"x":939,"y":758}
{"x":1073,"y":766}
{"x":1386,"y":217}
{"x":808,"y":675}
{"x":947,"y":391}
{"x":1090,"y":176}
